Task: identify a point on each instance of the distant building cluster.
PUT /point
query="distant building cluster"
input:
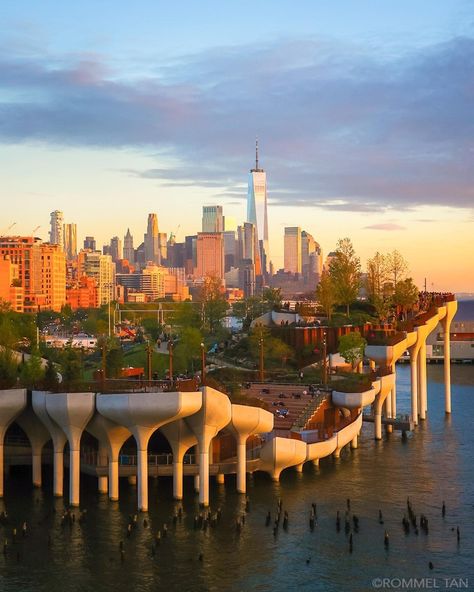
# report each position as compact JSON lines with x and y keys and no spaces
{"x":36,"y":275}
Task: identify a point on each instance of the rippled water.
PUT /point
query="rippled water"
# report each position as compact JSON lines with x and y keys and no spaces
{"x":432,"y":465}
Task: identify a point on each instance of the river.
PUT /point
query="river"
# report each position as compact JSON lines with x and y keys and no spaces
{"x":433,"y":465}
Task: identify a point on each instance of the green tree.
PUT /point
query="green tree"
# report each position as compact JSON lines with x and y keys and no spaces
{"x":213,"y":302}
{"x":50,"y":380}
{"x":248,"y":309}
{"x":8,"y":368}
{"x":326,"y":294}
{"x":352,"y":347}
{"x":114,"y":361}
{"x":186,"y":314}
{"x":405,"y":295}
{"x":71,"y":366}
{"x":275,"y":351}
{"x":345,"y":273}
{"x":397,"y":268}
{"x":187,"y":351}
{"x":272,"y":298}
{"x":31,"y":371}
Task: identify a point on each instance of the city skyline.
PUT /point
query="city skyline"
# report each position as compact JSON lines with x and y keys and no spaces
{"x":358,"y":138}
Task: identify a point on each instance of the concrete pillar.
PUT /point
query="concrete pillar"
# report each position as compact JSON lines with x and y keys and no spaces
{"x":242,"y":465}
{"x":337,"y":453}
{"x":102,"y":461}
{"x":414,"y":385}
{"x":354,"y":442}
{"x":388,"y":412}
{"x":220,"y":479}
{"x":58,"y":471}
{"x":204,"y":477}
{"x":74,"y":476}
{"x":12,"y":403}
{"x":142,"y":479}
{"x":36,"y":466}
{"x":299,"y":468}
{"x":394,"y":393}
{"x":451,"y":308}
{"x":422,"y":380}
{"x":113,"y":480}
{"x":316,"y":462}
{"x":177,"y":480}
{"x":196,"y":483}
{"x":132,"y":479}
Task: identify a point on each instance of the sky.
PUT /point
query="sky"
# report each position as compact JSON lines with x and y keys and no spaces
{"x":364,"y":112}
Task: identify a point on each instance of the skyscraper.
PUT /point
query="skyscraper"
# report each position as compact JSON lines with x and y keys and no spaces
{"x":90,"y":243}
{"x":70,"y":240}
{"x":210,"y":255}
{"x":293,"y":249}
{"x":151,"y":240}
{"x":116,"y":249}
{"x":257,"y":210}
{"x":212,"y":219}
{"x":128,"y":250}
{"x":56,"y":236}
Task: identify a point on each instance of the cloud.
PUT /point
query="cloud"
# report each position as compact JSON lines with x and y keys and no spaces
{"x":385,"y":226}
{"x":340,"y":128}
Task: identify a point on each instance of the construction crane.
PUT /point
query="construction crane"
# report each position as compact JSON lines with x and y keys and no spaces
{"x":9,"y":228}
{"x":35,"y":229}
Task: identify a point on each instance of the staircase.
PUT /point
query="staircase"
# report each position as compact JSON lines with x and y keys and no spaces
{"x":311,"y":408}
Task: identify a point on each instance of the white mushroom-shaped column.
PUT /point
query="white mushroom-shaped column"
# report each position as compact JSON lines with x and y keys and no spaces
{"x":111,"y":437}
{"x":246,"y":421}
{"x":430,"y":326}
{"x":57,"y":436}
{"x":386,"y":385}
{"x":181,"y":439}
{"x":38,"y":435}
{"x":214,"y":415}
{"x":12,"y":403}
{"x":281,"y":453}
{"x":143,"y":414}
{"x":451,"y":308}
{"x":72,"y":412}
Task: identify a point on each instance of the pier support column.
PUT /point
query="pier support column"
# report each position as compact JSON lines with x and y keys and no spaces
{"x":132,"y":479}
{"x":414,"y":385}
{"x":355,"y":442}
{"x":451,"y":308}
{"x":220,"y":478}
{"x":422,"y":380}
{"x":113,"y":479}
{"x":196,"y":483}
{"x":378,"y":424}
{"x":299,"y":468}
{"x":388,"y":412}
{"x":178,"y":480}
{"x":102,"y":461}
{"x":58,"y":471}
{"x":316,"y":462}
{"x":204,"y":477}
{"x":74,"y":477}
{"x":242,"y":465}
{"x":142,"y":479}
{"x":36,"y":466}
{"x":2,"y":465}
{"x":394,"y":393}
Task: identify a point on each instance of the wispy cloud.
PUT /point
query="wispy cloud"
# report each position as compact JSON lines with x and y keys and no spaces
{"x":385,"y":226}
{"x":340,"y":128}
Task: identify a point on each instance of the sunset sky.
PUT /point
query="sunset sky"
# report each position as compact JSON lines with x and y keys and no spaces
{"x":364,"y":113}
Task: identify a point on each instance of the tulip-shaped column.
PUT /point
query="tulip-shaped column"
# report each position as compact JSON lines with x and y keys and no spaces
{"x":414,"y":351}
{"x":57,"y":436}
{"x":181,"y":439}
{"x":72,"y":412}
{"x":111,"y":437}
{"x":38,"y":435}
{"x":386,"y":385}
{"x":280,"y":453}
{"x":451,"y":308}
{"x":245,"y":422}
{"x":143,"y":414}
{"x":12,"y":403}
{"x":429,"y":326}
{"x":213,"y":416}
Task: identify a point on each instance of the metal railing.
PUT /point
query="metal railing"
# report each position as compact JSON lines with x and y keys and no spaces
{"x":130,"y":460}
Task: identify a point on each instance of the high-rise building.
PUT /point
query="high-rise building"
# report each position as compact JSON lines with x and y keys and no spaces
{"x":163,"y":246}
{"x":210,"y":255}
{"x":10,"y":289}
{"x":128,"y":250}
{"x":257,"y":211}
{"x":53,"y":276}
{"x":116,"y":249}
{"x":230,"y":247}
{"x":212,"y":219}
{"x":102,"y":269}
{"x":152,"y":281}
{"x":70,"y":241}
{"x":56,"y":236}
{"x":292,"y":252}
{"x":90,"y":243}
{"x":151,"y":240}
{"x":190,"y":253}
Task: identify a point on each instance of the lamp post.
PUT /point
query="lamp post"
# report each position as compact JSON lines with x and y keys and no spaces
{"x":149,"y":359}
{"x":170,"y":351}
{"x":325,"y":375}
{"x":261,"y":372}
{"x":203,"y":364}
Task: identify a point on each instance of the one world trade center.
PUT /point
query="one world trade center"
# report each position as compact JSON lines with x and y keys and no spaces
{"x":257,"y":214}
